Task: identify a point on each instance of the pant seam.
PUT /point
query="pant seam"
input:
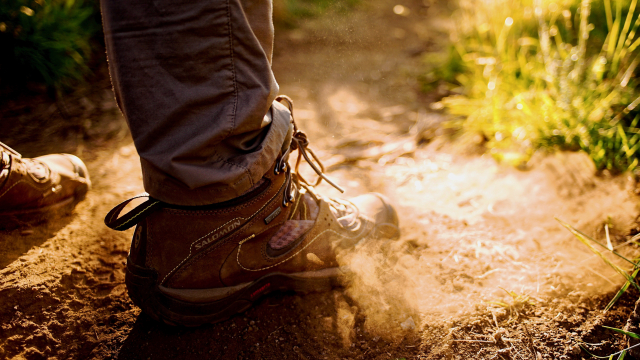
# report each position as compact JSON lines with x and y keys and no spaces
{"x":233,"y":68}
{"x":235,"y":86}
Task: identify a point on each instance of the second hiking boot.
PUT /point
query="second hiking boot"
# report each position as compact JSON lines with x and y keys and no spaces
{"x":34,"y":190}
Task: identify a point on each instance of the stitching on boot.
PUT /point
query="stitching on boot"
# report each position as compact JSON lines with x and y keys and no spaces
{"x":191,"y":246}
{"x":208,"y":250}
{"x":22,"y":181}
{"x":293,"y":212}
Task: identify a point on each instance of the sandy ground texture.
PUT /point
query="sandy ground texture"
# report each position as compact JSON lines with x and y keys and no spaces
{"x":482,"y":271}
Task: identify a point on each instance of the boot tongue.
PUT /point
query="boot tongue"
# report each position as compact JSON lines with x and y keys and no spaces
{"x":344,"y":211}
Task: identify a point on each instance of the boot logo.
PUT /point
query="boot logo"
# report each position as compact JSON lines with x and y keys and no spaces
{"x":273,"y":215}
{"x":218,"y":233}
{"x":226,"y":230}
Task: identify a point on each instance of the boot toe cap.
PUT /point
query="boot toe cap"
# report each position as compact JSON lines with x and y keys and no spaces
{"x":378,"y":208}
{"x":80,"y":169}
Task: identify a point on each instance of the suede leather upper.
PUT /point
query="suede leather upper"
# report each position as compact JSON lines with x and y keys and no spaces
{"x":38,"y":183}
{"x":225,"y":246}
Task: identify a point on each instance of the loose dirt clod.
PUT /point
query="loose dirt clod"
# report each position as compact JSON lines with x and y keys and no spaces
{"x":408,"y":324}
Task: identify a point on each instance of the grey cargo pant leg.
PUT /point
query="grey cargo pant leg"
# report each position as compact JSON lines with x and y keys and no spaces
{"x":193,"y":79}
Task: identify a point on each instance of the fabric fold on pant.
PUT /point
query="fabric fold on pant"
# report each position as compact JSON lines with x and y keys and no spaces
{"x":194,"y":81}
{"x":229,"y":179}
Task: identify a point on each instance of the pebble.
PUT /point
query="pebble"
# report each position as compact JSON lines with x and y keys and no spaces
{"x":576,"y":350}
{"x":408,"y":324}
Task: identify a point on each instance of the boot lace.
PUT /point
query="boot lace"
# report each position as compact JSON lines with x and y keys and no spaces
{"x":294,"y":180}
{"x":4,"y":148}
{"x":5,"y":161}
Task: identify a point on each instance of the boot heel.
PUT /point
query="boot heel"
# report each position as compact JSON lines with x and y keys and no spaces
{"x":142,"y":288}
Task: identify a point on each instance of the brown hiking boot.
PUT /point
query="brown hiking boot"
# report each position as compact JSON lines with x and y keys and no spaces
{"x":33,"y":190}
{"x":195,"y":265}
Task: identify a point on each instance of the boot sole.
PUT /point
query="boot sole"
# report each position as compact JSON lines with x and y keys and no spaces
{"x":142,"y":285}
{"x":10,"y":220}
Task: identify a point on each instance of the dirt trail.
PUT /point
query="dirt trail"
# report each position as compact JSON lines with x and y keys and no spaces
{"x":471,"y":227}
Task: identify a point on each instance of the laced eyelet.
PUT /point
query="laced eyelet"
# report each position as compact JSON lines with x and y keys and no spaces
{"x":276,"y":171}
{"x":288,"y":199}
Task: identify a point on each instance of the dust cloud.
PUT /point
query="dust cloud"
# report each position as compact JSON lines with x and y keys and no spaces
{"x":479,"y":237}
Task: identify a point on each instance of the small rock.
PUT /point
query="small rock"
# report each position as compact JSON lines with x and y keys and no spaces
{"x":497,"y":336}
{"x":575,"y":350}
{"x":408,"y":324}
{"x":126,"y":151}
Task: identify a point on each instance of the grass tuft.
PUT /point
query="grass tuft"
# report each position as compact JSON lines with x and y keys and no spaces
{"x":541,"y":74}
{"x":517,"y":303}
{"x":48,"y":41}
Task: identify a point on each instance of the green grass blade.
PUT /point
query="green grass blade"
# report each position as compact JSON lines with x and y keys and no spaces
{"x":619,"y":294}
{"x":634,"y":123}
{"x":596,"y":356}
{"x":612,"y":38}
{"x":585,"y":240}
{"x":620,"y":331}
{"x":633,"y":46}
{"x":625,"y":31}
{"x":580,"y":234}
{"x":615,"y":30}
{"x":607,"y":9}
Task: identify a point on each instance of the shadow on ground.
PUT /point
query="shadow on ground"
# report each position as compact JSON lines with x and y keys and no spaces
{"x":17,"y":242}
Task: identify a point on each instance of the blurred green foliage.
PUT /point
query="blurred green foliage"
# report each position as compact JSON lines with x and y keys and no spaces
{"x":52,"y":41}
{"x":290,"y":12}
{"x":47,"y":41}
{"x":548,"y":74}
